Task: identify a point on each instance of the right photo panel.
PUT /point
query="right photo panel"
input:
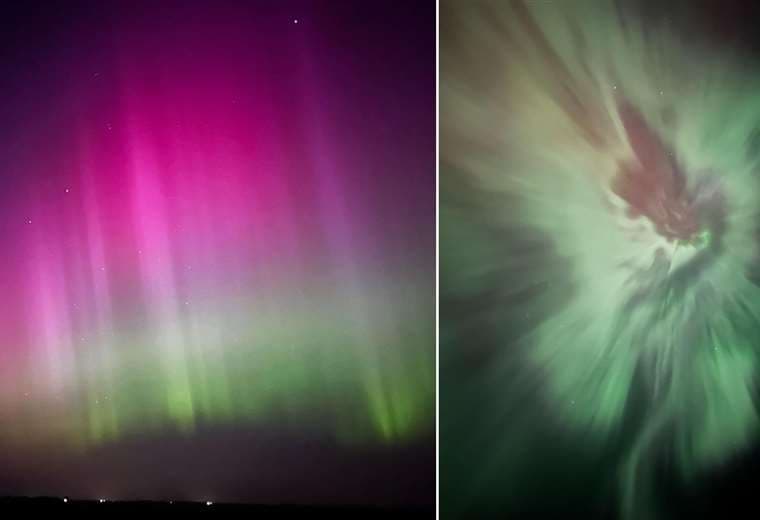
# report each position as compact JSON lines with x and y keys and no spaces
{"x":599,"y":230}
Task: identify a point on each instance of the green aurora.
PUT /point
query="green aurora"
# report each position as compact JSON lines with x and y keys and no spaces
{"x":358,"y":380}
{"x":572,"y":324}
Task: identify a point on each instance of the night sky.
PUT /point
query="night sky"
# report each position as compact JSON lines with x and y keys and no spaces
{"x":218,"y":279}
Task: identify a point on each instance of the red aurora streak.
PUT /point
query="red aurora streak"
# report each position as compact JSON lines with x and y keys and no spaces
{"x":652,"y":183}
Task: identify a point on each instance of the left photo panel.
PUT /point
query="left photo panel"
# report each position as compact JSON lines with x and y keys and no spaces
{"x":218,"y":269}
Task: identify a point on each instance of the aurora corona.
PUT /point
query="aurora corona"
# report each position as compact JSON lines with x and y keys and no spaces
{"x":599,"y":201}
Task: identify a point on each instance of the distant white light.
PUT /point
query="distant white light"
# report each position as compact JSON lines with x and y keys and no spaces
{"x":65,"y":499}
{"x":102,"y":500}
{"x":209,"y":502}
{"x":66,"y":190}
{"x":29,"y":221}
{"x":295,"y":20}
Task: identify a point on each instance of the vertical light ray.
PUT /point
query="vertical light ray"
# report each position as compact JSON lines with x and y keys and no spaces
{"x":155,"y":260}
{"x":202,"y":255}
{"x":51,"y":332}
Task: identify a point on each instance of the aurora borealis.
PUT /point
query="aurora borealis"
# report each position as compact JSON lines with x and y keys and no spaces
{"x":598,"y":215}
{"x":297,"y":256}
{"x":218,"y":216}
